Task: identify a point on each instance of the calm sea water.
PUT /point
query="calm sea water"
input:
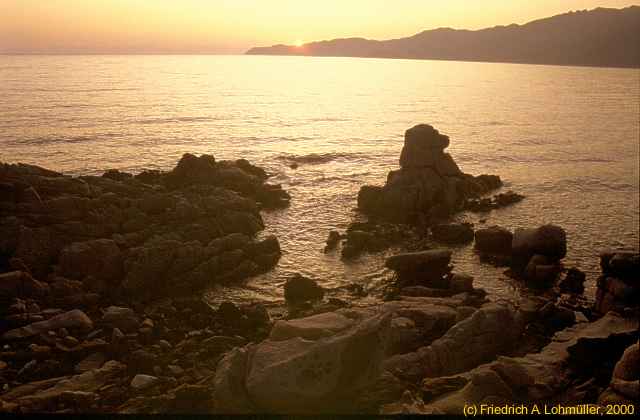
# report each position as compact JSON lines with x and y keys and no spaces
{"x":566,"y":137}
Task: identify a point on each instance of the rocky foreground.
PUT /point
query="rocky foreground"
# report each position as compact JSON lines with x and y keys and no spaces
{"x":99,"y":281}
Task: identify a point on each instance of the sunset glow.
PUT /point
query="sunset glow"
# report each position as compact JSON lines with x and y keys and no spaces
{"x":224,"y":26}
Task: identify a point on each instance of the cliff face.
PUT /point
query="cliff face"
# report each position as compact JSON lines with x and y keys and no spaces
{"x":599,"y":37}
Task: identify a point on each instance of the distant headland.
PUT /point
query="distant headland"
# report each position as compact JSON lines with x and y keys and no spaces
{"x":603,"y":37}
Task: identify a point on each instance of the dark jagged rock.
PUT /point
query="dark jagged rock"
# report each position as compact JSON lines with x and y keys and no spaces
{"x":427,"y":268}
{"x":453,"y":233}
{"x":301,"y":289}
{"x":429,"y":184}
{"x":573,"y":282}
{"x":140,"y":235}
{"x":536,"y":254}
{"x":493,"y":240}
{"x":618,"y":287}
{"x":373,"y":237}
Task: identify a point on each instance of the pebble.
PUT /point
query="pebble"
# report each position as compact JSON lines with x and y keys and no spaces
{"x":70,"y":341}
{"x":175,"y":370}
{"x":141,"y":382}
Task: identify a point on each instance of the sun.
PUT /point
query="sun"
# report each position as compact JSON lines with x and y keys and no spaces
{"x":298,"y":43}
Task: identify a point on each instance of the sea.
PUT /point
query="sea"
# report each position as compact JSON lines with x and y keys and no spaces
{"x":565,"y":137}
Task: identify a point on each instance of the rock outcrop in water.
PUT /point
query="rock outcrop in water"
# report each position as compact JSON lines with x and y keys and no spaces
{"x":619,"y":285}
{"x":140,"y":235}
{"x":429,"y":184}
{"x":96,"y":278}
{"x":96,"y":275}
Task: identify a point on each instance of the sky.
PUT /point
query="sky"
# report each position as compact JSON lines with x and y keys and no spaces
{"x":233,"y":26}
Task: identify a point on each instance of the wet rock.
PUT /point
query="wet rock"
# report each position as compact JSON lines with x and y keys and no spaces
{"x":573,"y":282}
{"x":302,"y":289}
{"x":332,"y":241}
{"x":116,"y":175}
{"x":618,"y":287}
{"x":75,"y":319}
{"x":494,"y":240}
{"x":507,"y":199}
{"x":421,"y":268}
{"x":428,"y":186}
{"x":143,"y":382}
{"x":621,"y":264}
{"x":548,"y":241}
{"x":453,"y":233}
{"x":459,"y":283}
{"x":541,"y":272}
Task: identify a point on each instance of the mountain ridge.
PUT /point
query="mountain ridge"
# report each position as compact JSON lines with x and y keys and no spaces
{"x":601,"y":37}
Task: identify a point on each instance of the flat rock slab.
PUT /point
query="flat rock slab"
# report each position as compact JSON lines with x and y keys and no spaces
{"x":75,"y":319}
{"x":419,"y":261}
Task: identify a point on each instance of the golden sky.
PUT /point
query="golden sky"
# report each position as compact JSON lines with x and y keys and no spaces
{"x":232,"y":26}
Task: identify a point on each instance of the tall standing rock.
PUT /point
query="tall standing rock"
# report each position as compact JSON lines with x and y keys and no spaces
{"x":428,"y":185}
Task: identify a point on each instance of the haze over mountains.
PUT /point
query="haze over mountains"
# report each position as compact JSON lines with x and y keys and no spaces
{"x":601,"y":37}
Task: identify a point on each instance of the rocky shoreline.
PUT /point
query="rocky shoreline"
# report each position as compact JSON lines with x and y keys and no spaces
{"x":100,"y":280}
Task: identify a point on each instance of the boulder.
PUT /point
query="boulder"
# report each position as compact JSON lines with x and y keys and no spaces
{"x":549,"y":241}
{"x":142,"y":382}
{"x":429,"y":185}
{"x":494,"y":240}
{"x":124,"y":319}
{"x":426,"y":267}
{"x":621,"y":264}
{"x":541,"y":272}
{"x":76,"y":320}
{"x":230,"y":396}
{"x":302,"y":376}
{"x":573,"y":282}
{"x":453,"y":233}
{"x":300,"y":289}
{"x":618,"y":287}
{"x":423,"y":144}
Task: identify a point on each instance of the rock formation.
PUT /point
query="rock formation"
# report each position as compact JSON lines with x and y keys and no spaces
{"x":619,"y":285}
{"x":139,"y":235}
{"x":428,"y":185}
